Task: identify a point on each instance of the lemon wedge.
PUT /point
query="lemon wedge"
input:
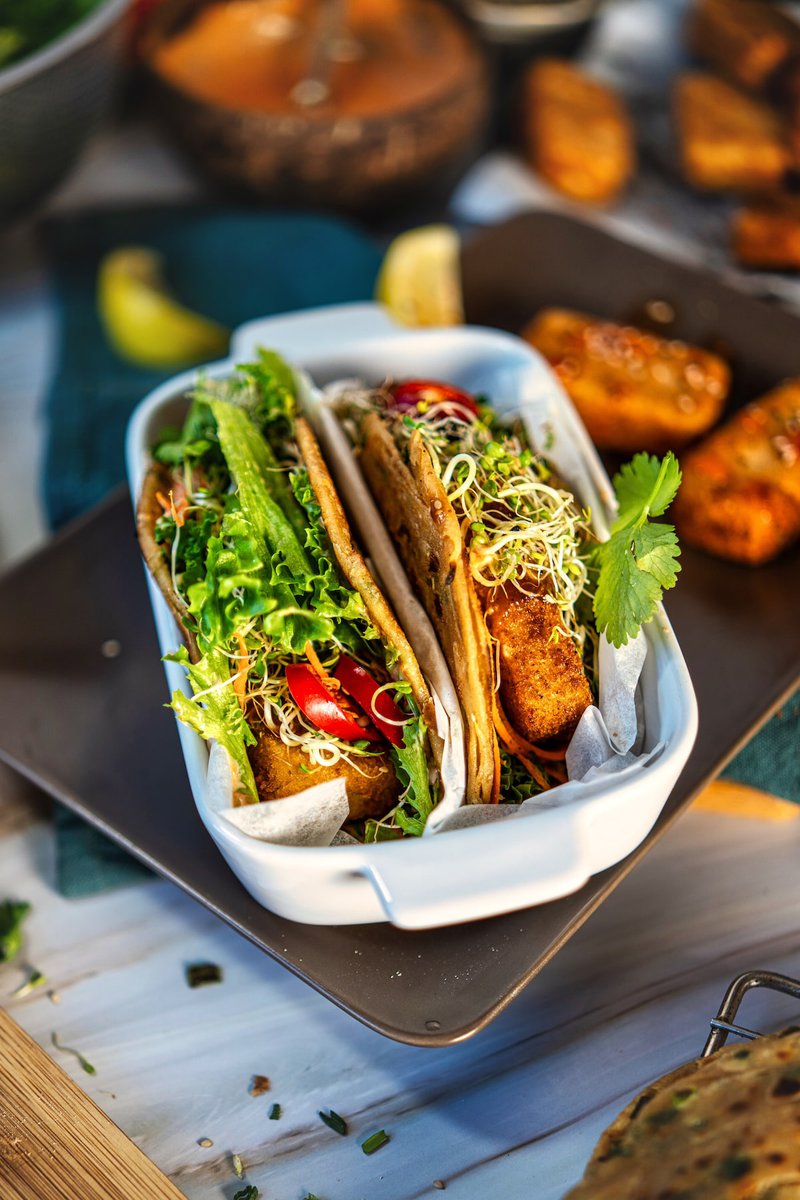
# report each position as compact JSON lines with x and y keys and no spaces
{"x":144,"y":322}
{"x":420,"y":278}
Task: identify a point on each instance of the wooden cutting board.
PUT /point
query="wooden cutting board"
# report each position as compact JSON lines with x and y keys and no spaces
{"x":55,"y":1143}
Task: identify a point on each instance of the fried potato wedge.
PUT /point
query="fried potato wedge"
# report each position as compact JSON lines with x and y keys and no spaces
{"x":728,"y":141}
{"x":766,"y":234}
{"x":740,"y":495}
{"x":543,"y":688}
{"x":426,"y":532}
{"x":747,"y":41}
{"x":577,"y":132}
{"x":280,"y":770}
{"x":633,"y":390}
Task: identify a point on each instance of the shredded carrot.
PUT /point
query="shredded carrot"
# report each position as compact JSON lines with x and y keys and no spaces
{"x":549,"y":755}
{"x":517,"y":745}
{"x":176,"y":511}
{"x":314,"y":662}
{"x":240,"y":675}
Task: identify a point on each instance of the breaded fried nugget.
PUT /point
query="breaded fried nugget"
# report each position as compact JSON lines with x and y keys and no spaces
{"x":280,"y":770}
{"x":634,"y":391}
{"x":767,"y":234}
{"x":577,"y":133}
{"x":748,"y":41}
{"x":728,"y":141}
{"x":543,"y":688}
{"x":740,"y":495}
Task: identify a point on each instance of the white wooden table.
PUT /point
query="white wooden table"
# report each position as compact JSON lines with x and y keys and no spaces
{"x":512,"y":1113}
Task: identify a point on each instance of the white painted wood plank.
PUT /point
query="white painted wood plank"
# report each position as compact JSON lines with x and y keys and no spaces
{"x":626,"y":1000}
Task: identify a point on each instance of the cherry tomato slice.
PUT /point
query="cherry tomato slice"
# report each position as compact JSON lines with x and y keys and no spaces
{"x":359,"y":684}
{"x":450,"y":401}
{"x":318,"y":704}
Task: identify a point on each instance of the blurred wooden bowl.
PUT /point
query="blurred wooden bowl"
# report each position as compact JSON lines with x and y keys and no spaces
{"x":362,"y":148}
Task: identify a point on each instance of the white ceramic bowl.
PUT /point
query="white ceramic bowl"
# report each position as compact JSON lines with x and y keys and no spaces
{"x":469,"y":873}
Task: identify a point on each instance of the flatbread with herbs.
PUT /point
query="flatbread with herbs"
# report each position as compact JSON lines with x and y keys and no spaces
{"x":721,"y":1128}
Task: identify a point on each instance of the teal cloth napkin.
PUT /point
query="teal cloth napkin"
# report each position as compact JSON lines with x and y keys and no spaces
{"x":232,"y":265}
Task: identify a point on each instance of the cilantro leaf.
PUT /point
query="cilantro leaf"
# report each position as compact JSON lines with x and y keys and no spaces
{"x":646,"y":482}
{"x":639,"y":561}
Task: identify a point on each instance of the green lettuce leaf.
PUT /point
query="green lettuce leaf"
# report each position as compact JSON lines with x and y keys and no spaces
{"x":250,"y":463}
{"x":214,"y":712}
{"x":411,"y":764}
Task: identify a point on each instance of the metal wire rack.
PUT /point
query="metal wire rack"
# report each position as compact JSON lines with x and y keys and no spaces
{"x":723,"y":1023}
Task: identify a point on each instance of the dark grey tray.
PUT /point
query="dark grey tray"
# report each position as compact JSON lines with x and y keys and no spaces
{"x":92,"y":730}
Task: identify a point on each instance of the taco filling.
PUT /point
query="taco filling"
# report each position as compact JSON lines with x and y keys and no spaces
{"x":506,"y":563}
{"x":297,"y":665}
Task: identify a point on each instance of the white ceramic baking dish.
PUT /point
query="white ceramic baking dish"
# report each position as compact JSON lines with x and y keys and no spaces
{"x":474,"y":872}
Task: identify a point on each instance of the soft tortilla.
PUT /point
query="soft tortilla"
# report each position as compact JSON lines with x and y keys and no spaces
{"x":359,"y":576}
{"x":373,"y":787}
{"x":426,"y":532}
{"x":159,"y":479}
{"x":720,"y":1128}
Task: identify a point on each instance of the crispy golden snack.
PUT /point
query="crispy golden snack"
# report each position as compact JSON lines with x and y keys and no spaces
{"x":633,"y":390}
{"x":721,"y":1128}
{"x":280,"y":770}
{"x":360,"y":578}
{"x":728,"y":141}
{"x":748,"y":41}
{"x":159,"y":480}
{"x":577,"y":133}
{"x":740,"y":495}
{"x":543,"y":688}
{"x":767,"y":234}
{"x":425,"y":529}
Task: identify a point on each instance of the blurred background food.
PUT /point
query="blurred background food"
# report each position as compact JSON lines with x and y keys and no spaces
{"x":59,"y":60}
{"x":28,"y":25}
{"x":359,"y":102}
{"x":577,"y":132}
{"x":633,"y":389}
{"x":740,"y":495}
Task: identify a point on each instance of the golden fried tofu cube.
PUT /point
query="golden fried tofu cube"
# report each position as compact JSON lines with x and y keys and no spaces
{"x":543,"y":686}
{"x":633,"y":390}
{"x":728,"y":141}
{"x":748,"y":41}
{"x":740,"y":495}
{"x":577,"y":133}
{"x":767,"y":234}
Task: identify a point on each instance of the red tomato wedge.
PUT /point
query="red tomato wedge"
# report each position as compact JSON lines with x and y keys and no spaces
{"x":318,"y":704}
{"x":451,"y":401}
{"x":359,"y":684}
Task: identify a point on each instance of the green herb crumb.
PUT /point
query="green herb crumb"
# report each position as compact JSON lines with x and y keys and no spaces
{"x":35,"y":979}
{"x":334,"y":1122}
{"x":375,"y":1141}
{"x":12,"y":914}
{"x":202,"y":973}
{"x":736,"y":1166}
{"x":275,"y":1112}
{"x":85,"y":1064}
